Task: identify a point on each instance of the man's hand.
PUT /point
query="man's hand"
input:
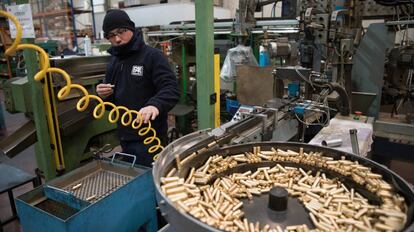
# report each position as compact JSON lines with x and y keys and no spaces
{"x":149,"y":112}
{"x":104,"y":90}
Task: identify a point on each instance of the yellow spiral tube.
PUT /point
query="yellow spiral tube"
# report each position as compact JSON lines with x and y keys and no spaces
{"x":116,"y":113}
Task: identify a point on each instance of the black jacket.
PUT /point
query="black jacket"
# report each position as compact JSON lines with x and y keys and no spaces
{"x":142,"y":76}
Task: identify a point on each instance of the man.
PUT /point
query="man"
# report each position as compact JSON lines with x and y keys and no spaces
{"x":64,"y":50}
{"x":140,"y":78}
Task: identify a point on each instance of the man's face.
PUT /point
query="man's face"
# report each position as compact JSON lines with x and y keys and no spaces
{"x":119,"y":36}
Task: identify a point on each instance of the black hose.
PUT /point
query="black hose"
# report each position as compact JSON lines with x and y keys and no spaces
{"x":343,"y":96}
{"x":344,"y":108}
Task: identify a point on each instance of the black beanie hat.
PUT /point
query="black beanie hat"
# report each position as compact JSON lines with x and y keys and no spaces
{"x":117,"y":19}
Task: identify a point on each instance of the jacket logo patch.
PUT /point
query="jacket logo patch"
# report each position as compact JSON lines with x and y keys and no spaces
{"x":137,"y":70}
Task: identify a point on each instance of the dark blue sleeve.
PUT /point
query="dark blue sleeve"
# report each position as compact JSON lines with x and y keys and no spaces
{"x":165,"y":82}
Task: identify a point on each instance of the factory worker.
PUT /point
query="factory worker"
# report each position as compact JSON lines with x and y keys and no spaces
{"x":138,"y":77}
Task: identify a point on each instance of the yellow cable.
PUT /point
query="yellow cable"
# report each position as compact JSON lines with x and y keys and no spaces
{"x":128,"y":117}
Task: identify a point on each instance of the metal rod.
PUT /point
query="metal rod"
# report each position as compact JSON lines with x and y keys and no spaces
{"x":391,"y":23}
{"x":186,"y":26}
{"x":354,"y":141}
{"x":287,"y":30}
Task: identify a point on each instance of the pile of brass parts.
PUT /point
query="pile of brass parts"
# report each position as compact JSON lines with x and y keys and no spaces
{"x":332,"y":206}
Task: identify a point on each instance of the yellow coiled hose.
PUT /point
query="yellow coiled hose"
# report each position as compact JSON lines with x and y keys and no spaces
{"x":127,"y":117}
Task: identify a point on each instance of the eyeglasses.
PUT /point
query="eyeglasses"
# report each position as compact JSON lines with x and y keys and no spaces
{"x":118,"y":32}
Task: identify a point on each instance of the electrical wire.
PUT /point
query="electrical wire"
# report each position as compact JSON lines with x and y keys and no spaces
{"x":128,"y":117}
{"x":319,"y":107}
{"x":316,"y":108}
{"x":325,"y":123}
{"x":324,"y":93}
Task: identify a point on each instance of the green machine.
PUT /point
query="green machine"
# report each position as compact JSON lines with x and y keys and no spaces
{"x":73,"y":136}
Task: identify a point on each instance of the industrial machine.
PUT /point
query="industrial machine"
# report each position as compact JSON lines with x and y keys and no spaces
{"x":364,"y":59}
{"x":75,"y":136}
{"x":80,"y":198}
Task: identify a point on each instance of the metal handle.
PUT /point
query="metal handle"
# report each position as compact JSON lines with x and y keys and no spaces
{"x":124,"y":154}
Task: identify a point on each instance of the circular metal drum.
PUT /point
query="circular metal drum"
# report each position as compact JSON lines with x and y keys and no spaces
{"x":280,"y":49}
{"x":175,"y":162}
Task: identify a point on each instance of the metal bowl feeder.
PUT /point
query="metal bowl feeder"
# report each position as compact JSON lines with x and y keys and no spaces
{"x":179,"y":158}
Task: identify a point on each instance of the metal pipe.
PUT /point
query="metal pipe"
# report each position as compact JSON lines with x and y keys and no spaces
{"x":276,"y":30}
{"x":332,"y":143}
{"x":181,"y":33}
{"x":259,"y":23}
{"x":192,"y":25}
{"x":292,"y":22}
{"x":391,"y":23}
{"x":224,"y":32}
